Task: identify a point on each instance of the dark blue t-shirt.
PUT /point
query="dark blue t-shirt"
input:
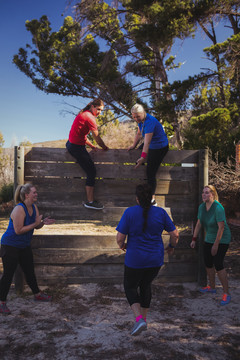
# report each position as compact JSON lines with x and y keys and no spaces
{"x":152,"y":125}
{"x":144,"y":249}
{"x":19,"y":241}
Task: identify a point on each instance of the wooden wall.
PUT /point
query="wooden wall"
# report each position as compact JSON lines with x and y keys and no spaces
{"x":61,"y":187}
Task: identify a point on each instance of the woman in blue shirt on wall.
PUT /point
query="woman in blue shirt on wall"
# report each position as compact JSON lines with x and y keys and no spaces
{"x":143,"y":225}
{"x":16,"y":243}
{"x":155,"y":145}
{"x":211,"y":216}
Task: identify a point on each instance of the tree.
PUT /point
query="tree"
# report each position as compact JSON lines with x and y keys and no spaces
{"x":25,"y":142}
{"x":137,"y":38}
{"x":65,"y":63}
{"x":217,"y":98}
{"x":212,"y":130}
{"x":69,"y":61}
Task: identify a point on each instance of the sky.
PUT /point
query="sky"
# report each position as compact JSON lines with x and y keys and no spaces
{"x":28,"y":114}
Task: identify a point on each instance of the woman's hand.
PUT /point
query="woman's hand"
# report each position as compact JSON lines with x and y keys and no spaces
{"x":48,"y":221}
{"x":169,"y":250}
{"x":140,"y":161}
{"x":132,"y":147}
{"x":193,"y":244}
{"x":124,"y":247}
{"x":214,"y":249}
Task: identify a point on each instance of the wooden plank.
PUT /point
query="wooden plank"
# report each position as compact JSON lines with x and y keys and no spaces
{"x":100,"y":242}
{"x":108,"y":214}
{"x":58,"y":198}
{"x":90,"y":242}
{"x":111,"y":171}
{"x":114,"y":186}
{"x":98,"y":256}
{"x":76,"y":256}
{"x":112,"y":155}
{"x":47,"y":274}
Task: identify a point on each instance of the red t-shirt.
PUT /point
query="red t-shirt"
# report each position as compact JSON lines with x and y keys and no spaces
{"x":82,"y":125}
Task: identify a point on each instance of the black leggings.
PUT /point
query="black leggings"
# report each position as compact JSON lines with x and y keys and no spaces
{"x":142,"y":279}
{"x":83,"y":158}
{"x":11,"y":257}
{"x":155,"y":157}
{"x":217,"y":260}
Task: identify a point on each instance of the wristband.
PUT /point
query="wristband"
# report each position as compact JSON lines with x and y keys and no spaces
{"x":143,"y":155}
{"x":170,"y":245}
{"x":194,"y":239}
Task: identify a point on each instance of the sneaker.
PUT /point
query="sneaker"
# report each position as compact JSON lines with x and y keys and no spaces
{"x":225,"y":299}
{"x":153,"y":203}
{"x":42,"y":297}
{"x":94,"y":205}
{"x":4,"y":309}
{"x":207,"y":289}
{"x":139,"y":327}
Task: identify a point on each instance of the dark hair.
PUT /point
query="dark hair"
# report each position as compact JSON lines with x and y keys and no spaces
{"x":94,"y":102}
{"x":144,"y":196}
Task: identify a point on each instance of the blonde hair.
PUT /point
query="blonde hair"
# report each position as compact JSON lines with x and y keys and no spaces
{"x":21,"y":192}
{"x":137,"y":108}
{"x":213,"y":191}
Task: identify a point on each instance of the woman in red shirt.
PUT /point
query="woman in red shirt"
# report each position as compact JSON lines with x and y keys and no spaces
{"x":85,"y":122}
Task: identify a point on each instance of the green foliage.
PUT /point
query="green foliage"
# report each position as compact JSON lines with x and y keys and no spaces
{"x":65,"y":63}
{"x":25,"y":143}
{"x":137,"y":38}
{"x":212,"y":130}
{"x":6,"y":193}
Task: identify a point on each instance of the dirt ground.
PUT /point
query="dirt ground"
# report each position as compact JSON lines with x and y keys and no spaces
{"x":93,"y":321}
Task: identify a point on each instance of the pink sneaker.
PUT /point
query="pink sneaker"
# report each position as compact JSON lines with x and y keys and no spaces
{"x":4,"y":309}
{"x":207,"y":289}
{"x":42,"y":297}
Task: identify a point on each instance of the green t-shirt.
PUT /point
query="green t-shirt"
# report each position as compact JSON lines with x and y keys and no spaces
{"x":209,"y":220}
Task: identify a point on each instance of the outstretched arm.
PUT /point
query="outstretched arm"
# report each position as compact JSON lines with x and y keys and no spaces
{"x":99,"y":140}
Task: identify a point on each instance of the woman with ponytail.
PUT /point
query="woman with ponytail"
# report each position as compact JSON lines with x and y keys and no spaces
{"x":212,"y":218}
{"x":143,"y":225}
{"x":85,"y":122}
{"x":16,"y":243}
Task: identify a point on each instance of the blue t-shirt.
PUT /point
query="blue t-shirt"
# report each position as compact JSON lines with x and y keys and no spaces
{"x":209,"y":220}
{"x":19,"y":241}
{"x":152,"y":125}
{"x":144,"y":249}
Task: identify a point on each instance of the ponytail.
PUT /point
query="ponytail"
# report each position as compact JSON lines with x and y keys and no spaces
{"x":21,"y":192}
{"x":144,"y":196}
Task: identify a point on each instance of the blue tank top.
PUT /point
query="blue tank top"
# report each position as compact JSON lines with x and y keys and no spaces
{"x":20,"y":241}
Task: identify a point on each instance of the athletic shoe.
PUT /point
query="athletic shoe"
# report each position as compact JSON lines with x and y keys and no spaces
{"x":207,"y":289}
{"x":139,"y":327}
{"x":4,"y":309}
{"x":225,"y":299}
{"x":153,"y":203}
{"x":94,"y":205}
{"x":42,"y":297}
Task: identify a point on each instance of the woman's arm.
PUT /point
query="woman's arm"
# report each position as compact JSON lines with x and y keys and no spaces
{"x":174,"y":237}
{"x":46,"y":221}
{"x":195,"y":234}
{"x":214,"y":249}
{"x":121,"y":240}
{"x":147,"y":141}
{"x":18,"y":217}
{"x":99,"y":140}
{"x":88,"y":142}
{"x":136,"y":140}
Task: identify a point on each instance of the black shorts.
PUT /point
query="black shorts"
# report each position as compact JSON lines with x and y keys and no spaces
{"x":217,"y":260}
